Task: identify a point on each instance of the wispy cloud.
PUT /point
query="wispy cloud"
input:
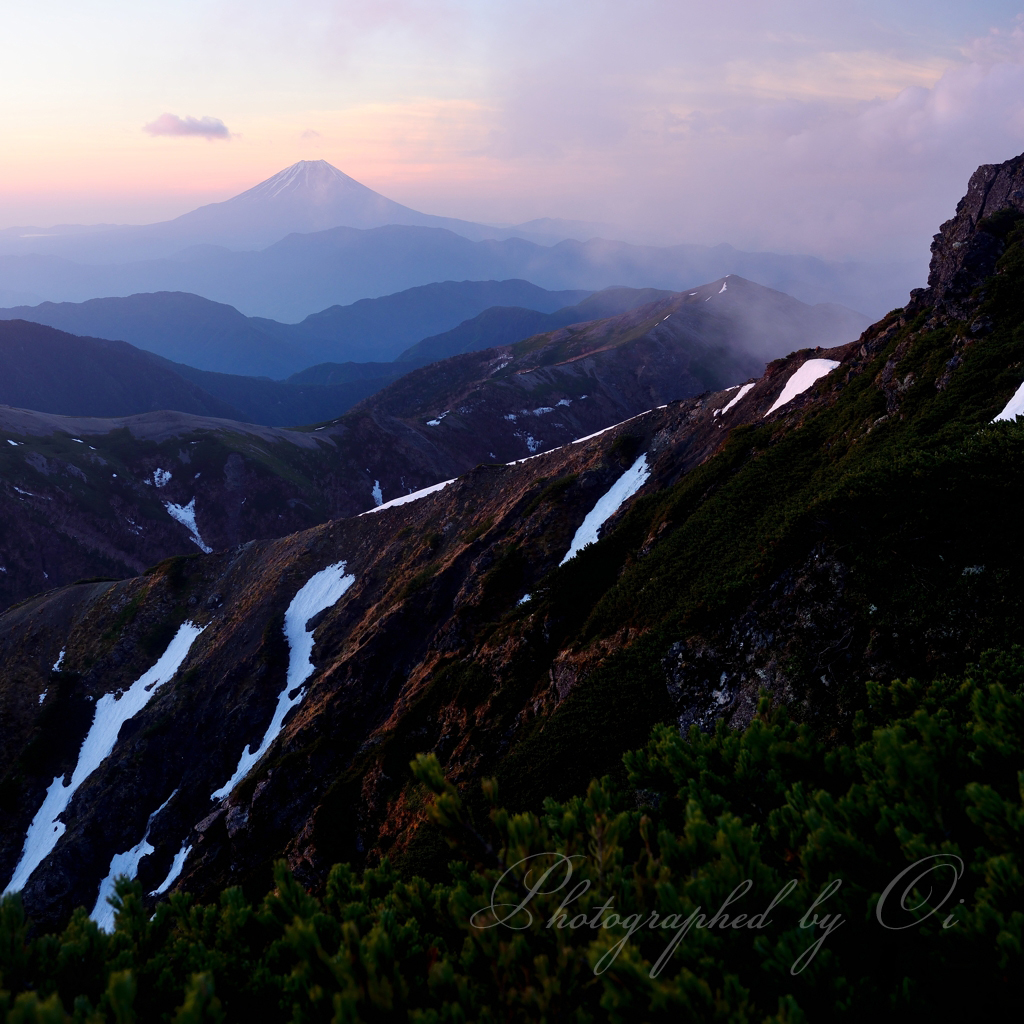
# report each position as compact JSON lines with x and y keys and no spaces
{"x":208,"y":128}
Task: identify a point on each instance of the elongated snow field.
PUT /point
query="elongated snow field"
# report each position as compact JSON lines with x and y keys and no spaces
{"x":406,"y":498}
{"x":317,"y":594}
{"x":802,"y":379}
{"x":624,"y":488}
{"x":736,"y":398}
{"x":1013,"y":408}
{"x":126,"y":863}
{"x":176,"y":865}
{"x":109,"y":716}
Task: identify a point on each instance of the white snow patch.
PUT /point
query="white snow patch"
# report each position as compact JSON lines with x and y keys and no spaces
{"x":564,"y":401}
{"x":412,"y":496}
{"x":524,"y":599}
{"x":42,"y":696}
{"x":15,"y":443}
{"x":543,"y":409}
{"x":186,"y":515}
{"x":532,"y":443}
{"x":172,"y":876}
{"x":805,"y":376}
{"x":60,"y":660}
{"x":725,"y":284}
{"x":743,"y":391}
{"x":378,"y":494}
{"x":1014,"y":407}
{"x":78,"y":439}
{"x":161,"y":477}
{"x":625,"y":487}
{"x":123,"y":864}
{"x":511,"y":417}
{"x":320,"y":591}
{"x":436,"y":422}
{"x":692,"y":294}
{"x":110,"y":714}
{"x":598,"y":433}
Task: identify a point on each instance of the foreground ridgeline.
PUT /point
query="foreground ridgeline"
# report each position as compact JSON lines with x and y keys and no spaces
{"x":753,"y":875}
{"x":789,"y":840}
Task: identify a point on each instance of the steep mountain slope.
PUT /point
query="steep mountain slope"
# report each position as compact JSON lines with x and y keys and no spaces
{"x":188,"y":329}
{"x":852,"y":514}
{"x":303,"y":273}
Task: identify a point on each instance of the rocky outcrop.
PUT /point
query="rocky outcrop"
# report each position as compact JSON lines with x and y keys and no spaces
{"x":965,"y":251}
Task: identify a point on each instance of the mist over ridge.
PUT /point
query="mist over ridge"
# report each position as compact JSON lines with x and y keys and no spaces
{"x":311,"y":236}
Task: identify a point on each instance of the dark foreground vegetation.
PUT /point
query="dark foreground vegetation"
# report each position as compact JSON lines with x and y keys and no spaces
{"x":932,"y":776}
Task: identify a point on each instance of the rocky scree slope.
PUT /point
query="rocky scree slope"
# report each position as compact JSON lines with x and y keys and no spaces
{"x":796,"y":540}
{"x":84,"y":498}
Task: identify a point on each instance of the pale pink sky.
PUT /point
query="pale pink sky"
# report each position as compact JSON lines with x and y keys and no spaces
{"x":843,"y":129}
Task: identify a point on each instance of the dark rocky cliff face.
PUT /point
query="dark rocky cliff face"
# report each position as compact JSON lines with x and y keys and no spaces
{"x":965,"y":251}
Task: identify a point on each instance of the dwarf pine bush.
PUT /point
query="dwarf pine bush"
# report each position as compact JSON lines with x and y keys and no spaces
{"x":735,"y":876}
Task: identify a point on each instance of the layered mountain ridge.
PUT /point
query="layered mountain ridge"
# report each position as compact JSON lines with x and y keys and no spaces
{"x":186,"y":328}
{"x":101,"y":497}
{"x":311,"y":237}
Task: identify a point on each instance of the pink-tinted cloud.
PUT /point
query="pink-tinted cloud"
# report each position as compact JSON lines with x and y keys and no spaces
{"x":208,"y":128}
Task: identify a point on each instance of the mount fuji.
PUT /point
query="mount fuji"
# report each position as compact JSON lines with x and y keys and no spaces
{"x":311,"y":195}
{"x":308,"y":196}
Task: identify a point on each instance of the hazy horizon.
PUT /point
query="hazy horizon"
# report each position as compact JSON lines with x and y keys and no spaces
{"x":845,"y":131}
